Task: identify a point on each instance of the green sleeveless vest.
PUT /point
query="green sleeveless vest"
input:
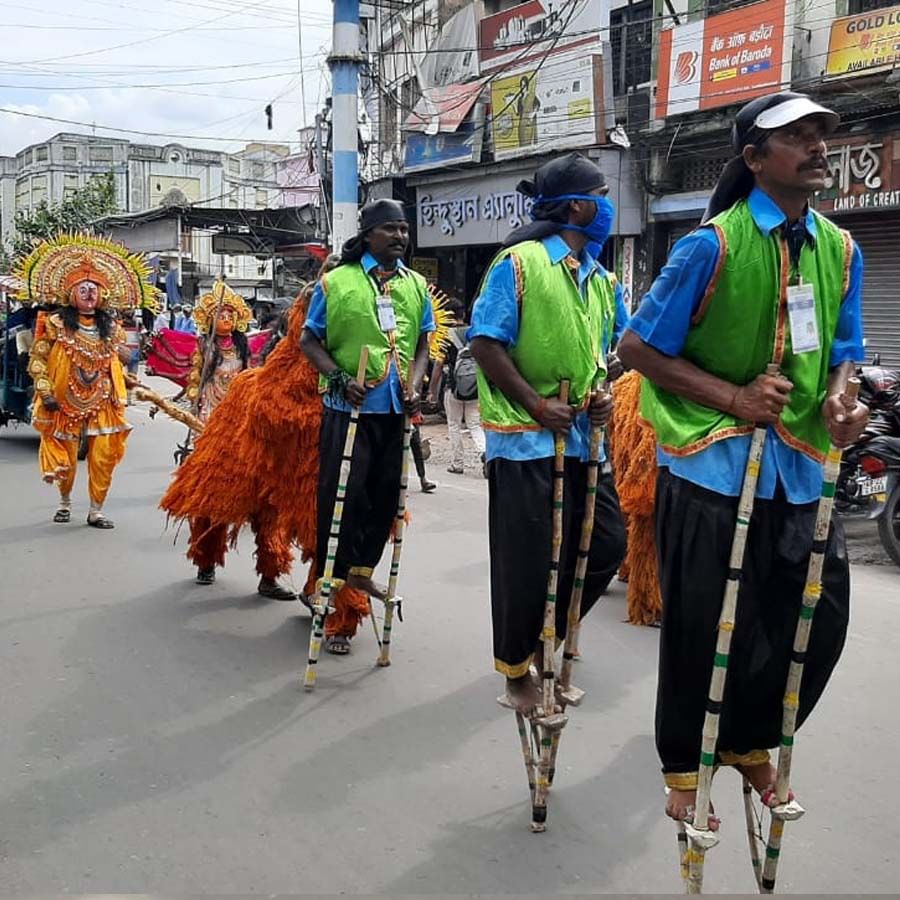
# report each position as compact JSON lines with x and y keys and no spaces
{"x":560,"y":335}
{"x":351,"y":320}
{"x":742,"y":325}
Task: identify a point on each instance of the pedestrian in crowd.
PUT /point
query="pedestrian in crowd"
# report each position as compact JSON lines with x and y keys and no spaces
{"x":765,"y":281}
{"x":174,"y":313}
{"x":457,"y":377}
{"x":545,"y":314}
{"x":184,"y":321}
{"x":163,"y":320}
{"x":370,"y":300}
{"x":416,"y":448}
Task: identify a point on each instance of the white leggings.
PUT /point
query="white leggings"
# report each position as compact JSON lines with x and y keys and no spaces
{"x":457,"y":411}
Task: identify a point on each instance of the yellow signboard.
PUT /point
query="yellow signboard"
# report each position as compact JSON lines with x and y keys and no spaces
{"x":864,"y":43}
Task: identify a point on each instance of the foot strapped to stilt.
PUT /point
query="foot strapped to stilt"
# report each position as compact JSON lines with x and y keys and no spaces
{"x":701,"y":839}
{"x":553,"y":723}
{"x":571,"y":696}
{"x":787,"y":812}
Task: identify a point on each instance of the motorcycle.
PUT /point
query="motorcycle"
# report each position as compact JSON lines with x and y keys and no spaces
{"x":868,"y":486}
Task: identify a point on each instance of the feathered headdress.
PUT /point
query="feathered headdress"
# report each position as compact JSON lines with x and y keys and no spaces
{"x":56,"y":265}
{"x":205,"y":310}
{"x":444,"y":320}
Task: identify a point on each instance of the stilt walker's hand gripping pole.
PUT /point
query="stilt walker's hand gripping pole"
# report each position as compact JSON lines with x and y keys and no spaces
{"x":789,"y":810}
{"x":699,"y":837}
{"x":321,"y":608}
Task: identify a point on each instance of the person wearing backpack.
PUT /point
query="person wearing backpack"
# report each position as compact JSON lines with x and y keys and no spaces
{"x":461,"y":399}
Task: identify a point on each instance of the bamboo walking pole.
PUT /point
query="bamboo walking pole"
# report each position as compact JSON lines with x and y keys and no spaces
{"x":700,"y":837}
{"x":321,"y":609}
{"x":392,"y":600}
{"x":754,"y":835}
{"x":568,"y":694}
{"x":788,"y":810}
{"x":549,"y":723}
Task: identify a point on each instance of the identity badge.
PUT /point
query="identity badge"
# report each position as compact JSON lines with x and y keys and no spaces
{"x":387,"y":321}
{"x":801,"y":302}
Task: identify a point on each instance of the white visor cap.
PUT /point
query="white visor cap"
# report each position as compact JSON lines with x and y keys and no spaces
{"x":792,"y":111}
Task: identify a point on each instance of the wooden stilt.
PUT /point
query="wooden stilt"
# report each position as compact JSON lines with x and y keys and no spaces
{"x":323,"y":603}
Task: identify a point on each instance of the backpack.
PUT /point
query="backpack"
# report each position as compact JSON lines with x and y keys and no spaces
{"x":465,"y":371}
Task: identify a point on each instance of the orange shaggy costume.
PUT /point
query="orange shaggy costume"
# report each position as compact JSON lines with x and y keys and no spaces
{"x":633,"y":447}
{"x":257,"y":463}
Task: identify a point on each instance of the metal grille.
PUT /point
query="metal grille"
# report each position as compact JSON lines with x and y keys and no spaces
{"x":877,"y":238}
{"x":700,"y":173}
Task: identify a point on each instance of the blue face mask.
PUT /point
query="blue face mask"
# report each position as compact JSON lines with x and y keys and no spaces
{"x":600,"y":226}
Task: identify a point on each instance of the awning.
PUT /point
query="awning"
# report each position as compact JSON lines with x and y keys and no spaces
{"x":442,"y":109}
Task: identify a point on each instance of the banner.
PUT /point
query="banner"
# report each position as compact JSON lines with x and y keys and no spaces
{"x":864,"y":43}
{"x":424,"y":151}
{"x":556,"y":106}
{"x":729,"y":58}
{"x":530,"y":31}
{"x":863,"y":175}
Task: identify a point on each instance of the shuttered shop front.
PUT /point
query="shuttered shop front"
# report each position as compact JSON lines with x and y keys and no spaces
{"x":878,"y":237}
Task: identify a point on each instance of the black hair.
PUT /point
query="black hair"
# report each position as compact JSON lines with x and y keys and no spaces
{"x":103,"y":320}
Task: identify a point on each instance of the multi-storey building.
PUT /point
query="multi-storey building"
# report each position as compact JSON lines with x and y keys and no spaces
{"x":722,"y":53}
{"x":146,"y":176}
{"x":465,"y":99}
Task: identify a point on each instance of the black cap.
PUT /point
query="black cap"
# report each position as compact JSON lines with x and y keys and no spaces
{"x":379,"y":212}
{"x":753,"y":124}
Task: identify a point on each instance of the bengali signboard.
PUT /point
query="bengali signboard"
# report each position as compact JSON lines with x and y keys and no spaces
{"x":476,"y":211}
{"x":729,"y":58}
{"x":863,"y":176}
{"x":539,"y":28}
{"x":556,"y":106}
{"x":864,"y":43}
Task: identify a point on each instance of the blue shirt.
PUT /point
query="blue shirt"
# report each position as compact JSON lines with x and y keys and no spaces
{"x":387,"y":396}
{"x":186,"y":324}
{"x":663,"y":321}
{"x":496,"y":316}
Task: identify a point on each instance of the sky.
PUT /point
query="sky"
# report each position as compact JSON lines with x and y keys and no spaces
{"x":200,"y":69}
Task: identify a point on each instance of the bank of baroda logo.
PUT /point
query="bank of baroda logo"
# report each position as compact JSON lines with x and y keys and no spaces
{"x":686,"y":66}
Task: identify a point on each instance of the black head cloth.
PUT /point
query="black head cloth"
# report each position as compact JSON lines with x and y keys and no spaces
{"x":373,"y":214}
{"x":569,"y":174}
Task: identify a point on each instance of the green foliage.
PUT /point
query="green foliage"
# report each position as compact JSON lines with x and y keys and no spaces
{"x":77,"y":213}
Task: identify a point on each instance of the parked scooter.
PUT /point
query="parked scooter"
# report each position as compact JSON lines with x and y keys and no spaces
{"x":869,"y":483}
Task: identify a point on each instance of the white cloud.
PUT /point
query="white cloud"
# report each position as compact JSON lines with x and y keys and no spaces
{"x":60,"y":67}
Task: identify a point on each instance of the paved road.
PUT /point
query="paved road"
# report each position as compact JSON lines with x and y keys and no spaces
{"x":155,"y":737}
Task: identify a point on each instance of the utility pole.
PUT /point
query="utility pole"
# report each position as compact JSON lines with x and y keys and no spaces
{"x":344,"y":64}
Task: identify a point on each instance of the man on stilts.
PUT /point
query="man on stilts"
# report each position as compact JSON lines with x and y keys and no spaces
{"x":546,"y":314}
{"x":77,"y":359}
{"x":765,"y":281}
{"x":370,"y":300}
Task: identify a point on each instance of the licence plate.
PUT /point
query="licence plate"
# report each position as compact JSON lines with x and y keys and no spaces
{"x":873,"y":486}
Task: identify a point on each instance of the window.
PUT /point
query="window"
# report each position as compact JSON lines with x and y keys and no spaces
{"x":631,"y":38}
{"x":257,"y":171}
{"x":234,"y":166}
{"x":714,"y":7}
{"x":70,"y":185}
{"x":262,"y":198}
{"x":863,"y":6}
{"x":23,"y":192}
{"x":41,"y":154}
{"x":38,"y":189}
{"x":70,"y":154}
{"x":101,"y":154}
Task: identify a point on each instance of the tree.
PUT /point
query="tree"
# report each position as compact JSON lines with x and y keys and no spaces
{"x":76,"y":213}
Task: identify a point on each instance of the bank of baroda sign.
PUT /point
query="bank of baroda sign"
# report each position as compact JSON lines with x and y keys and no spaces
{"x":729,"y":58}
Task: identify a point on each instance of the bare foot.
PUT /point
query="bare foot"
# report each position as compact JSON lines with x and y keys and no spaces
{"x":762,"y":778}
{"x":680,"y":807}
{"x":523,"y":694}
{"x":367,"y":586}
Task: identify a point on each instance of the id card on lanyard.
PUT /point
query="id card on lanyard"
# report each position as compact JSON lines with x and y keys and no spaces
{"x":801,"y":304}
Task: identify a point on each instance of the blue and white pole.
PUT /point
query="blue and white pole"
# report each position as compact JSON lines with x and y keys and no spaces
{"x":344,"y":63}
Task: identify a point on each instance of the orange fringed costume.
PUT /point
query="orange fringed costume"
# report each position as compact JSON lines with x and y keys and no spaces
{"x":256,"y":463}
{"x":633,"y":447}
